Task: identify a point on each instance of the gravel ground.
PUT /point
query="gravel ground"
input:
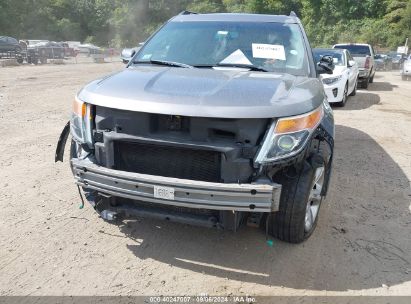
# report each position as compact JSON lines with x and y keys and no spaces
{"x":48,"y":246}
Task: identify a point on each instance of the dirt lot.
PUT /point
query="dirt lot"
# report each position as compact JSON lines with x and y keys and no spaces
{"x":48,"y":246}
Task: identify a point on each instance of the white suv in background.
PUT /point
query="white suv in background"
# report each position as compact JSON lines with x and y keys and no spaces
{"x":343,"y":81}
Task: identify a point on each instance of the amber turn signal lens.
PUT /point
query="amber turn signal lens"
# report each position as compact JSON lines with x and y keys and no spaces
{"x":79,"y":108}
{"x":302,"y":122}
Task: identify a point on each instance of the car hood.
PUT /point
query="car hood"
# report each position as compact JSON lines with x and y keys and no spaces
{"x":225,"y":93}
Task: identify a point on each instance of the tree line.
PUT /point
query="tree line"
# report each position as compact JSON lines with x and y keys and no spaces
{"x":118,"y":23}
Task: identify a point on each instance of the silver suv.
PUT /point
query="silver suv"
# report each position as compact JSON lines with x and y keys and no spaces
{"x":217,"y":120}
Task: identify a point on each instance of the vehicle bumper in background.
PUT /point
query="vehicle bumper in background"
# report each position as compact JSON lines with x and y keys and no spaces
{"x":406,"y":71}
{"x":334,"y":92}
{"x":187,"y":193}
{"x":363,"y":74}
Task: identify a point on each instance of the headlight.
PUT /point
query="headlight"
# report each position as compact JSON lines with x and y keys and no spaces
{"x":331,"y":80}
{"x":287,"y":136}
{"x":80,"y":122}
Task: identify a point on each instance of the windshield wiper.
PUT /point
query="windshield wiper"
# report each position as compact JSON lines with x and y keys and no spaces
{"x":234,"y":65}
{"x":166,"y":63}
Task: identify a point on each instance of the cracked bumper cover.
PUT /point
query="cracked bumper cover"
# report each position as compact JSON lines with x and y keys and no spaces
{"x":258,"y":197}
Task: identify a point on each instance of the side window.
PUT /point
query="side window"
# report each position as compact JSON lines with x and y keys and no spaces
{"x":12,"y":40}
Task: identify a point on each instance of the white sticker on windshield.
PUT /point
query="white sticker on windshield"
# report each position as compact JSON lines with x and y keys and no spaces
{"x":222,"y":33}
{"x":268,"y":51}
{"x":236,"y":57}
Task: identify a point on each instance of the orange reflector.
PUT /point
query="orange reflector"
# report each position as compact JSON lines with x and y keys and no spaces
{"x":307,"y":121}
{"x":79,"y":108}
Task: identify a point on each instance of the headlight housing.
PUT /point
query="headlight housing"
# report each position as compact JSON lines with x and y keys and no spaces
{"x":288,"y":136}
{"x":80,"y":122}
{"x":331,"y":80}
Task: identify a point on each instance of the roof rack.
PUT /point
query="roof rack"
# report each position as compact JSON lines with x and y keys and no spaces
{"x":188,"y":13}
{"x":293,"y":14}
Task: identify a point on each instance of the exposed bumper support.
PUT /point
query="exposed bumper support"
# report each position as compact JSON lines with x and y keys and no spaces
{"x":187,"y":193}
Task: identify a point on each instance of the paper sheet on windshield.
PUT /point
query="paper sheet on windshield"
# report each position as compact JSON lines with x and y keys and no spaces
{"x":268,"y":51}
{"x":237,"y":57}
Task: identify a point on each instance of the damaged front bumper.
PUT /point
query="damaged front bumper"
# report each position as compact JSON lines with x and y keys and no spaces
{"x":253,"y":197}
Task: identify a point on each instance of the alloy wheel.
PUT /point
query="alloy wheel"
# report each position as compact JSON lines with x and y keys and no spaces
{"x":314,"y":199}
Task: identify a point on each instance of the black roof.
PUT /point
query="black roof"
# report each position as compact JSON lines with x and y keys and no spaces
{"x":236,"y":17}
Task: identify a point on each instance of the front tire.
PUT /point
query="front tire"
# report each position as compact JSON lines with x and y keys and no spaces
{"x":300,"y":202}
{"x":365,"y":83}
{"x":354,"y":91}
{"x":345,"y":96}
{"x":372,"y":79}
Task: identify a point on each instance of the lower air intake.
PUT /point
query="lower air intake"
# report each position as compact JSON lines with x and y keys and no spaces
{"x":168,"y":161}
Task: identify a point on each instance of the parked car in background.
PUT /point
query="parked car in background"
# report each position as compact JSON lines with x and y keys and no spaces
{"x":363,"y":54}
{"x":74,"y":45}
{"x":32,"y":42}
{"x":48,"y":50}
{"x":9,"y":45}
{"x":383,"y":62}
{"x":89,"y":49}
{"x":233,"y":127}
{"x":29,"y":54}
{"x":343,"y":81}
{"x":397,"y":60}
{"x":68,"y":51}
{"x":406,"y":69}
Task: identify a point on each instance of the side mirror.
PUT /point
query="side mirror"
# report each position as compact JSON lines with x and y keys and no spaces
{"x":127,"y":54}
{"x":325,"y":65}
{"x":351,"y":63}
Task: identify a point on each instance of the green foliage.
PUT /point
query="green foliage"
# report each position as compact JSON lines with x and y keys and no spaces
{"x":384,"y":23}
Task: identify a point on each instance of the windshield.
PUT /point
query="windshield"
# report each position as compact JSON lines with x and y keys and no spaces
{"x":355,"y":50}
{"x":274,"y":47}
{"x":338,"y":56}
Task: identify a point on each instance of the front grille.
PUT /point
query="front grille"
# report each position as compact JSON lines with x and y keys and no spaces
{"x":167,"y":161}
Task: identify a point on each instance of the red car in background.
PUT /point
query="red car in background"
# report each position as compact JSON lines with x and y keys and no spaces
{"x":68,"y":51}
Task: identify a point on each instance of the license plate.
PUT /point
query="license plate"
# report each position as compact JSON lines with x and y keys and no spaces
{"x":164,"y":192}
